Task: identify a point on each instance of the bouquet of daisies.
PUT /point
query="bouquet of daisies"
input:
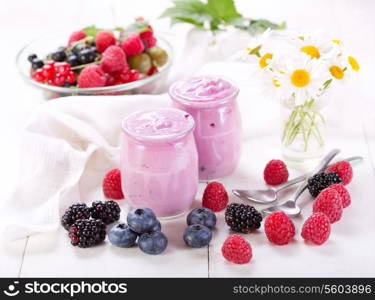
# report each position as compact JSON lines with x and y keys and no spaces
{"x":298,"y":68}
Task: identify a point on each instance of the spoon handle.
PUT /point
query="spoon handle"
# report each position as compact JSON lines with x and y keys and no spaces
{"x":321,"y":167}
{"x":282,"y":186}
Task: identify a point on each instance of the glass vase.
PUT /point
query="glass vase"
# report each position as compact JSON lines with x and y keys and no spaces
{"x":303,"y":131}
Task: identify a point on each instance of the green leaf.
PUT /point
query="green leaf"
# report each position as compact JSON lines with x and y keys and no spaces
{"x":259,"y":26}
{"x":91,"y":31}
{"x":223,"y":10}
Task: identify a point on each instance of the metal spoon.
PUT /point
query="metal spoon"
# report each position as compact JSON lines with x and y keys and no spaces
{"x":290,"y":206}
{"x":270,"y":195}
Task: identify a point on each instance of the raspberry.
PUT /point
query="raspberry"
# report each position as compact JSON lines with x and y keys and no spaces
{"x":279,"y":228}
{"x":215,"y":197}
{"x":148,"y":37}
{"x":343,"y":169}
{"x":91,"y":76}
{"x":114,"y":60}
{"x":112,"y":185}
{"x":316,"y":228}
{"x":235,"y":249}
{"x":103,"y":40}
{"x":133,"y":44}
{"x":344,"y":194}
{"x":275,"y":172}
{"x":329,"y":202}
{"x":76,"y":36}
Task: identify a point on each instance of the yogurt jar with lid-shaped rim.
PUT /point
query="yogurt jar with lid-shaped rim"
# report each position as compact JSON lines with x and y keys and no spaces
{"x":159,"y":161}
{"x":211,"y":100}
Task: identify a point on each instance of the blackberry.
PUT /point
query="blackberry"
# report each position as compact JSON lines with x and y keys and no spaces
{"x":242,"y":218}
{"x":108,"y":211}
{"x":320,"y":181}
{"x":74,"y":213}
{"x":87,"y":233}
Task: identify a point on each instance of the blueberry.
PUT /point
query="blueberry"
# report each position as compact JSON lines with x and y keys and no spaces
{"x":31,"y":57}
{"x":141,"y":220}
{"x":157,"y":226}
{"x":153,"y":242}
{"x":86,"y":56}
{"x":197,"y":236}
{"x":72,"y":60}
{"x":37,"y":63}
{"x":203,"y":216}
{"x":58,"y":55}
{"x":122,"y":236}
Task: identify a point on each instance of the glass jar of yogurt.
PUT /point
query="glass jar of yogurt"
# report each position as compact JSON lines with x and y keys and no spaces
{"x":212,"y":103}
{"x":159,"y":161}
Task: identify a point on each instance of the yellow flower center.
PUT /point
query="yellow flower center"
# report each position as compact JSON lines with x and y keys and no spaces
{"x":300,"y":78}
{"x":311,"y":50}
{"x":338,"y":42}
{"x":263,"y":61}
{"x":353,"y":63}
{"x":275,"y":83}
{"x":336,"y":72}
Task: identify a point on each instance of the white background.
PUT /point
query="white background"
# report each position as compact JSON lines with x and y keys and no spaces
{"x":349,"y":253}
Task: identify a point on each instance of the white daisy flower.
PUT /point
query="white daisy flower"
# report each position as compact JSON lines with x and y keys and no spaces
{"x":300,"y":76}
{"x":313,"y":46}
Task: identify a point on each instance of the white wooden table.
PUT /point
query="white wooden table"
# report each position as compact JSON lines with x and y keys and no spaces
{"x":351,"y":248}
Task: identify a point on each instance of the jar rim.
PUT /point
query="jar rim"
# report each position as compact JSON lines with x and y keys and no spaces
{"x":156,"y":138}
{"x":207,"y":102}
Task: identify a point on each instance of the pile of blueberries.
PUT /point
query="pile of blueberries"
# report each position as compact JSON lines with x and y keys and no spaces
{"x":80,"y":54}
{"x":142,"y":225}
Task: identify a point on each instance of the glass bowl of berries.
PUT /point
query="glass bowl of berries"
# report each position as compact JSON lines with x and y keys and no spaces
{"x":94,"y":61}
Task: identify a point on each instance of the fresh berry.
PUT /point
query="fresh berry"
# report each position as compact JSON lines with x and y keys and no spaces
{"x":316,"y":228}
{"x":197,"y":236}
{"x":275,"y":172}
{"x":58,"y":80}
{"x":59,"y":55}
{"x":152,"y":71}
{"x":76,"y":36}
{"x":31,"y":57}
{"x":103,"y":40}
{"x":344,"y":194}
{"x":242,"y":218}
{"x":112,"y":185}
{"x":320,"y":181}
{"x":74,"y":213}
{"x":215,"y":197}
{"x":107,"y":211}
{"x":148,"y":37}
{"x":114,"y":60}
{"x":279,"y":228}
{"x":78,"y":48}
{"x":329,"y":202}
{"x":87,"y":233}
{"x":132,"y":45}
{"x":153,"y":242}
{"x":141,"y":62}
{"x":72,"y":60}
{"x":62,"y":68}
{"x":235,"y":249}
{"x":343,"y":169}
{"x":91,"y":76}
{"x":141,"y":220}
{"x":156,"y":227}
{"x":203,"y":216}
{"x":71,"y":78}
{"x":86,"y":56}
{"x":122,"y":236}
{"x":38,"y":75}
{"x":48,"y":71}
{"x":36,"y":63}
{"x":133,"y":75}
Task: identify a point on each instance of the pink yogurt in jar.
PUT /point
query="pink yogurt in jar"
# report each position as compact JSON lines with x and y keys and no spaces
{"x":159,"y":161}
{"x":212,"y":103}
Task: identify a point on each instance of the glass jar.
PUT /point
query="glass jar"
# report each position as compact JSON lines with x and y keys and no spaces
{"x":159,"y":161}
{"x":212,"y":103}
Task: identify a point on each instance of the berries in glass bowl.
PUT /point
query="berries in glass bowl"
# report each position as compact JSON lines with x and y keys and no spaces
{"x":127,"y":60}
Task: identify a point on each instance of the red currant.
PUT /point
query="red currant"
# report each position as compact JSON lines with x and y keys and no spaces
{"x":48,"y":71}
{"x":62,"y":68}
{"x":38,"y":75}
{"x":133,"y":75}
{"x":71,"y":77}
{"x":59,"y":80}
